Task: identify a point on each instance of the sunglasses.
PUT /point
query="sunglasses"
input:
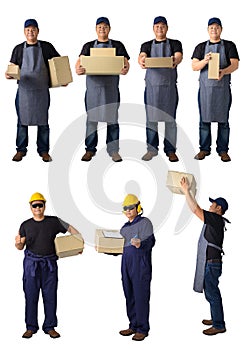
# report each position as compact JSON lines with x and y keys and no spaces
{"x":129,"y":207}
{"x":37,"y":205}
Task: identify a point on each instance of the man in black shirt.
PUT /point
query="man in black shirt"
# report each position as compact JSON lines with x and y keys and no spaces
{"x":161,"y":94}
{"x":209,"y":256}
{"x":32,"y":98}
{"x":214,"y":98}
{"x":102,"y":97}
{"x":40,"y":265}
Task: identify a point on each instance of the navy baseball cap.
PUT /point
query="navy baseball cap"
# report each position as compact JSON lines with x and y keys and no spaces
{"x":102,"y":20}
{"x":214,"y":20}
{"x":160,"y":19}
{"x":220,"y":201}
{"x":30,"y":22}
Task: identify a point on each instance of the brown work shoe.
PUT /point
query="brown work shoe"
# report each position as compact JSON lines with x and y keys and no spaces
{"x":18,"y":156}
{"x":127,"y":332}
{"x":116,"y":157}
{"x":214,"y":331}
{"x":53,"y":334}
{"x":88,"y":156}
{"x":201,"y":155}
{"x":172,"y":157}
{"x":207,"y":322}
{"x":46,"y":157}
{"x":149,"y":155}
{"x":139,"y":336}
{"x":28,"y":334}
{"x":225,"y":157}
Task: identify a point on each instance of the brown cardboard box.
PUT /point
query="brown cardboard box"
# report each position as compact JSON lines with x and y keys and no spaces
{"x":103,"y":51}
{"x":69,"y":245}
{"x":13,"y":71}
{"x":214,"y":66}
{"x":159,"y":62}
{"x":60,"y":72}
{"x":98,"y":65}
{"x":173,"y":182}
{"x":108,"y":244}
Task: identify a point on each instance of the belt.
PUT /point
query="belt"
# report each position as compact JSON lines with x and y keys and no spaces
{"x":214,"y":260}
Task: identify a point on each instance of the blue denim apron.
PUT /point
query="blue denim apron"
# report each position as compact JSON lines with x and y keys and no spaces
{"x":201,"y":261}
{"x":215,"y":96}
{"x":161,"y":91}
{"x":102,"y":95}
{"x":33,"y":87}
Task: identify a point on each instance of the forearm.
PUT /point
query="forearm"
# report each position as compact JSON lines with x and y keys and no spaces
{"x":233,"y":67}
{"x":199,"y":65}
{"x":73,"y":230}
{"x":178,"y":56}
{"x":191,"y":201}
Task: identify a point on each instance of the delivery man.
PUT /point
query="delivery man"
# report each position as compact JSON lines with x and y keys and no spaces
{"x":40,"y":265}
{"x":209,"y":256}
{"x":33,"y":98}
{"x":102,"y":97}
{"x":161,"y":94}
{"x":136,"y":267}
{"x":215,"y":96}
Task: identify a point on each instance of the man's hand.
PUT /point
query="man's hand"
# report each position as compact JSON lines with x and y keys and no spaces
{"x":184,"y":184}
{"x":136,"y":242}
{"x":19,"y":241}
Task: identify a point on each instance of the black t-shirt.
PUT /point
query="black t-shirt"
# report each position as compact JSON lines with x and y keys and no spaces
{"x":175,"y":46}
{"x":230,"y":51}
{"x":214,"y":233}
{"x":48,"y":52}
{"x":120,"y":48}
{"x":40,"y":235}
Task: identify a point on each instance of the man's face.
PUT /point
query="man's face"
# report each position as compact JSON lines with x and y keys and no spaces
{"x":131,"y":212}
{"x":215,"y":208}
{"x":31,"y":34}
{"x":160,"y":29}
{"x":37,"y":208}
{"x":102,"y":30}
{"x":214,"y":31}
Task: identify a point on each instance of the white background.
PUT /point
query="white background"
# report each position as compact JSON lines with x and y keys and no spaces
{"x":91,"y":305}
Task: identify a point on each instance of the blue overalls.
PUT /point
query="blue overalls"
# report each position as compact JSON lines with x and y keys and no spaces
{"x":40,"y":273}
{"x":136,"y":272}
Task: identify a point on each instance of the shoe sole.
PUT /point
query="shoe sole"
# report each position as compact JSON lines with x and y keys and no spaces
{"x":87,"y":160}
{"x":204,"y":332}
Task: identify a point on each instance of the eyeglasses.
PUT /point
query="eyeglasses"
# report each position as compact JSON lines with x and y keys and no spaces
{"x":37,"y":205}
{"x":129,"y":207}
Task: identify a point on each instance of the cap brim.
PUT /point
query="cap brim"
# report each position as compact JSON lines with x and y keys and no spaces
{"x":211,"y":200}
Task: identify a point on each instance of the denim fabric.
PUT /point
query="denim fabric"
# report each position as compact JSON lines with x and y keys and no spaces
{"x":205,"y":138}
{"x":169,"y":137}
{"x":22,"y":138}
{"x":212,"y":293}
{"x":42,"y":138}
{"x":112,"y":139}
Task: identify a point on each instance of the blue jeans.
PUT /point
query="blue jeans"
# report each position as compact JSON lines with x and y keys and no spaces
{"x":22,"y":138}
{"x":112,"y":139}
{"x":205,"y":138}
{"x":170,"y":134}
{"x":169,"y":138}
{"x":42,"y":138}
{"x":212,"y":293}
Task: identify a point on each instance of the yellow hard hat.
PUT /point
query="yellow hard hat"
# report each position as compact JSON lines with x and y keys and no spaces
{"x":132,"y":199}
{"x":37,"y":197}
